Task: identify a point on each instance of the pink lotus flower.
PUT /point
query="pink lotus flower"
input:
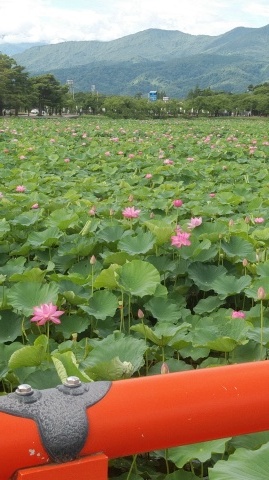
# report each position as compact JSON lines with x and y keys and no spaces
{"x":35,"y":205}
{"x":47,"y":312}
{"x":259,"y":220}
{"x":67,"y":160}
{"x":107,"y":154}
{"x":212,"y":195}
{"x":238,"y":314}
{"x":148,"y":175}
{"x":92,"y":211}
{"x":167,"y":161}
{"x":20,"y":188}
{"x":195,"y":222}
{"x":177,"y":203}
{"x":130,"y":212}
{"x":180,"y":239}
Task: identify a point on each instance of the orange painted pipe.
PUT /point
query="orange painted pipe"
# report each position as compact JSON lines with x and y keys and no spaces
{"x":149,"y":413}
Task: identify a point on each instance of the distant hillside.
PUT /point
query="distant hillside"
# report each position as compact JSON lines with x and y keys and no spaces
{"x":157,"y":59}
{"x":11,"y":49}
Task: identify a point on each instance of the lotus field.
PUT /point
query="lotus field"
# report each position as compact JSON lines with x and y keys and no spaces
{"x":133,"y":248}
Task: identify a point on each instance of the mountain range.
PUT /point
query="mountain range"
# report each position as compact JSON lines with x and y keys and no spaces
{"x":165,"y":60}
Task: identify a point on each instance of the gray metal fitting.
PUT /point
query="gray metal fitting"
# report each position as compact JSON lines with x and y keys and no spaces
{"x":72,"y":382}
{"x":24,"y":389}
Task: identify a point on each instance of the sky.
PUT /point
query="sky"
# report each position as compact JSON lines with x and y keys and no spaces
{"x":54,"y":21}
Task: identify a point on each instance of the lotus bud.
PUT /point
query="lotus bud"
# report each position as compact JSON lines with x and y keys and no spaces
{"x":261,"y":293}
{"x":164,"y":368}
{"x":140,"y":314}
{"x":92,"y":260}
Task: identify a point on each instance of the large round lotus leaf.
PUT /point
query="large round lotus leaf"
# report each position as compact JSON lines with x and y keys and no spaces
{"x":27,"y":295}
{"x":238,"y":247}
{"x":140,"y":243}
{"x":102,"y":304}
{"x":243,"y":465}
{"x":198,"y":451}
{"x":138,"y":278}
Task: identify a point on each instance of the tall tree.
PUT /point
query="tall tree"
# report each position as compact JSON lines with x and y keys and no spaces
{"x":49,"y":93}
{"x":14,"y":84}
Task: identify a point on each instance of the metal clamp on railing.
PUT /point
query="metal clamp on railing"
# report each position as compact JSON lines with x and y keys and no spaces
{"x":73,"y":429}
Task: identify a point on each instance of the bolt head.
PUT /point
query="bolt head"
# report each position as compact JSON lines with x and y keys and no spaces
{"x":24,"y":389}
{"x":72,"y":382}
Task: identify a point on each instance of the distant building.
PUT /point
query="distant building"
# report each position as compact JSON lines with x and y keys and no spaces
{"x":153,"y":95}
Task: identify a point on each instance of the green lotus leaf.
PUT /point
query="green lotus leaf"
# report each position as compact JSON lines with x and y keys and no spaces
{"x":26,"y":219}
{"x":30,"y":355}
{"x":207,"y":305}
{"x":66,"y":366}
{"x":163,"y":263}
{"x":220,"y":334}
{"x":118,"y":258}
{"x":27,"y":295}
{"x":230,"y":285}
{"x":33,"y":275}
{"x":252,"y":441}
{"x":198,"y":451}
{"x":81,"y":246}
{"x":14,"y":265}
{"x":204,"y":275}
{"x":62,"y":219}
{"x":161,"y":334}
{"x":102,"y":304}
{"x":238,"y":247}
{"x":107,"y":279}
{"x":163,"y":309}
{"x":10,"y":326}
{"x":47,"y":237}
{"x":112,"y":369}
{"x":134,"y":245}
{"x":212,"y":231}
{"x":111,"y":233}
{"x":252,"y":291}
{"x":161,"y":231}
{"x":74,"y":293}
{"x":5,"y":353}
{"x":261,"y":234}
{"x":250,"y":352}
{"x":138,"y":278}
{"x":173,"y":364}
{"x":42,"y":378}
{"x":127,"y":349}
{"x":72,"y":324}
{"x":243,"y":465}
{"x":4,"y":227}
{"x":196,"y":353}
{"x":262,"y":269}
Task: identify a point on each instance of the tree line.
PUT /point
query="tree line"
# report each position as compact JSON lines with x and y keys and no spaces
{"x":20,"y":93}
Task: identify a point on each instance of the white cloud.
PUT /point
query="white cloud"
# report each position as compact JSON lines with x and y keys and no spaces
{"x":61,"y":20}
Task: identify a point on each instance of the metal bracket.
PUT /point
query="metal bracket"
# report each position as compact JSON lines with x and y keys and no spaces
{"x":60,"y":414}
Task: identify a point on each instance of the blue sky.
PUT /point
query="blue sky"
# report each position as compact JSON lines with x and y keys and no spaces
{"x":54,"y":21}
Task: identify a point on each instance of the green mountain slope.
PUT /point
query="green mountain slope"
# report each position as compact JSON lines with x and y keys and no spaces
{"x":157,"y":59}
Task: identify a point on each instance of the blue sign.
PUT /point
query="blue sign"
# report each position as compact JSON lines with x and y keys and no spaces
{"x":153,"y":95}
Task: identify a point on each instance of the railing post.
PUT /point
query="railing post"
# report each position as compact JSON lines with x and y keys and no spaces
{"x":94,"y":467}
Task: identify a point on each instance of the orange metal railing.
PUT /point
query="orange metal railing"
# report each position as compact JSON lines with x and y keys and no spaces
{"x":145,"y":414}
